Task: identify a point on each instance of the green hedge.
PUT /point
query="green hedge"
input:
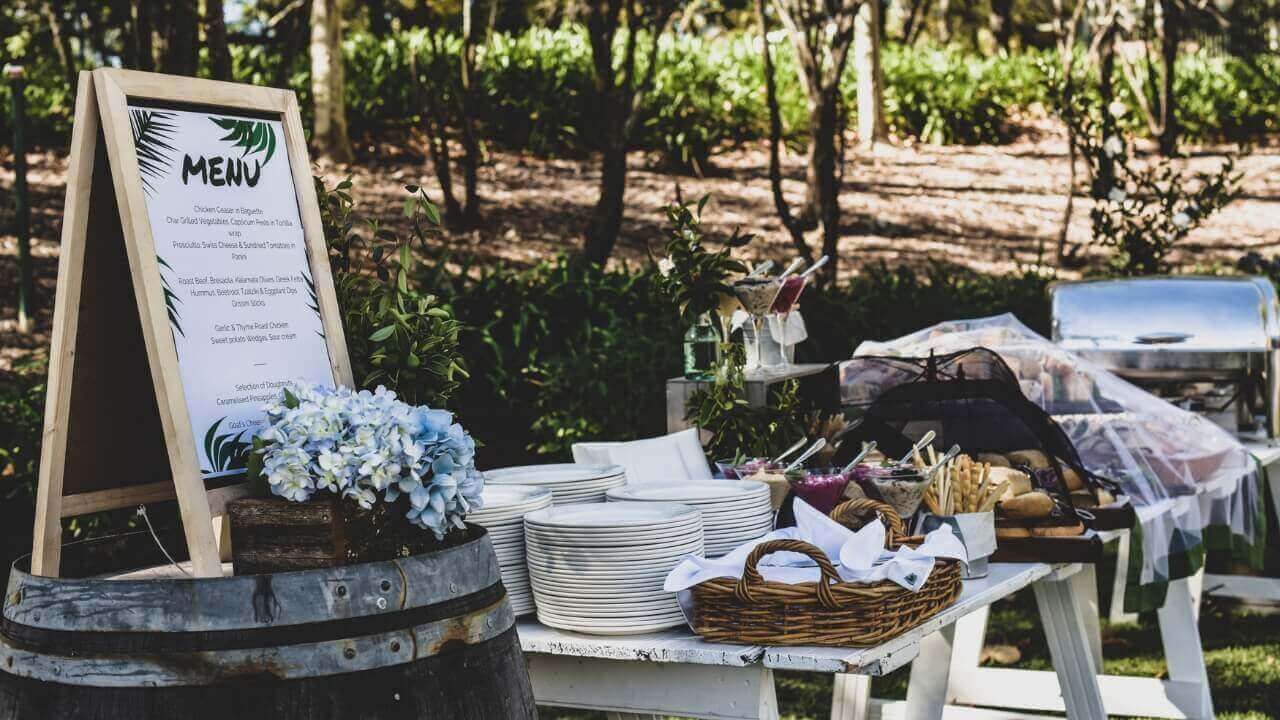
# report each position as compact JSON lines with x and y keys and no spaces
{"x":535,"y":92}
{"x":563,"y":352}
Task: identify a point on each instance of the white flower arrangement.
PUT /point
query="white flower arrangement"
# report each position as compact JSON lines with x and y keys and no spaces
{"x":360,"y":444}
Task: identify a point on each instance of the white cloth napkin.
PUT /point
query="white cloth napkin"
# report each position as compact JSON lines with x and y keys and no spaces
{"x":858,"y":556}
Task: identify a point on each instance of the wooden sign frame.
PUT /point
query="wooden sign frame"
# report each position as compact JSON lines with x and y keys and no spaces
{"x":108,"y":414}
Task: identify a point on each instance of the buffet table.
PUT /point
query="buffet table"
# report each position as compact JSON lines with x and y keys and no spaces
{"x":676,"y":673}
{"x":1185,"y":693}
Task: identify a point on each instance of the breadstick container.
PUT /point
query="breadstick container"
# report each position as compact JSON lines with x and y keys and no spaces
{"x":977,"y":530}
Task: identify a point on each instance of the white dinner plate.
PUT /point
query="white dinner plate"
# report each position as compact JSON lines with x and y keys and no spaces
{"x":570,"y":575}
{"x":553,"y":473}
{"x":708,"y":491}
{"x":638,"y":538}
{"x":587,"y":562}
{"x":498,"y":497}
{"x":606,"y":516}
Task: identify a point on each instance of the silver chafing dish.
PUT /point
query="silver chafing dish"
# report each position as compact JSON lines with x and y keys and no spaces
{"x":1211,"y":344}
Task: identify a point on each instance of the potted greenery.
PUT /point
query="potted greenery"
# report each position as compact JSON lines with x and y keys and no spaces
{"x":697,"y":281}
{"x":352,"y":476}
{"x":347,"y":476}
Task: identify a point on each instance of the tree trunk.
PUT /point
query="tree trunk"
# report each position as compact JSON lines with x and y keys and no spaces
{"x":181,"y":45}
{"x":944,"y":28}
{"x":606,"y":216}
{"x":825,"y":124}
{"x":789,"y":222}
{"x":866,"y":58}
{"x":330,"y":131}
{"x":143,"y":35}
{"x":466,"y":106}
{"x":61,"y":44}
{"x":1001,"y":21}
{"x":215,"y":32}
{"x":1171,"y":23}
{"x":915,"y":19}
{"x":1106,"y":176}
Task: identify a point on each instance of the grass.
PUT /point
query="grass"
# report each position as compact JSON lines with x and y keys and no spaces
{"x":1242,"y":652}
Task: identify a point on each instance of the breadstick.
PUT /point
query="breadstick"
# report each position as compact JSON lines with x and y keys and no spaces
{"x":989,"y":503}
{"x":983,"y":487}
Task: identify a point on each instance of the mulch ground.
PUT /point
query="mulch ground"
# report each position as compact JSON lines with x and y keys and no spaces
{"x":989,"y":208}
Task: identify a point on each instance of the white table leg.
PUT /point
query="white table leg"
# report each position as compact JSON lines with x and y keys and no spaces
{"x":1117,"y":614}
{"x":1085,"y":585}
{"x":851,"y":697}
{"x":930,"y":675}
{"x":1182,"y":650}
{"x":970,"y":634}
{"x":1063,"y":611}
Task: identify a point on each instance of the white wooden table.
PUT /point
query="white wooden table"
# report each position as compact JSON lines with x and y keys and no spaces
{"x":675,"y":673}
{"x":1185,"y":693}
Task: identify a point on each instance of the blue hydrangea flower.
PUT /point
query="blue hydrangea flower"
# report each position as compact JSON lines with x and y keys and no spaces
{"x":362,"y":445}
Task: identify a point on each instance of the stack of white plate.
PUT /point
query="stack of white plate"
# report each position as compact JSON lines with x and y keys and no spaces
{"x":599,"y":568}
{"x":503,"y":516}
{"x":733,"y":511}
{"x":568,"y":482}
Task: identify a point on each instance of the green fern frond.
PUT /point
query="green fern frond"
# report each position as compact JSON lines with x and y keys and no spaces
{"x":152,"y":134}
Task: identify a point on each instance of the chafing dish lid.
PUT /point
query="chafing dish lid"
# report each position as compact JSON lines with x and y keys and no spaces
{"x":1167,"y":314}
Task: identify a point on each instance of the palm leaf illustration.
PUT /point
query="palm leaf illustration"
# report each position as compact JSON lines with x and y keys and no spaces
{"x":226,"y":452}
{"x":171,"y":298}
{"x":152,"y":133}
{"x":311,"y":294}
{"x":252,"y":135}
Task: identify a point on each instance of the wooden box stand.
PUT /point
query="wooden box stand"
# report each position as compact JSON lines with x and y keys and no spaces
{"x":271,"y":535}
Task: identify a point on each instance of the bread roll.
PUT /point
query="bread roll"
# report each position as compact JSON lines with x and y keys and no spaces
{"x":1019,"y":482}
{"x":1072,"y":479}
{"x":995,"y":460}
{"x":1028,"y":506}
{"x":1034,"y":459}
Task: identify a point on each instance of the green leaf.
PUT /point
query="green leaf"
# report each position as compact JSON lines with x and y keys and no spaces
{"x":383,"y":333}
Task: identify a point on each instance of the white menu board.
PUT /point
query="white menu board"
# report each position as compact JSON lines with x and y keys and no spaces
{"x":237,"y":283}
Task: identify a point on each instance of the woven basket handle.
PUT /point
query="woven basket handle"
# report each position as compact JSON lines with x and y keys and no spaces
{"x":848,"y":514}
{"x":751,"y":576}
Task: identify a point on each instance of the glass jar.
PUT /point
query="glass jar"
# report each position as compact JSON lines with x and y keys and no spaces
{"x":701,"y":349}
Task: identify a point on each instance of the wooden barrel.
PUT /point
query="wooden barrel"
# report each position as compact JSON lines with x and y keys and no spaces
{"x":428,"y":636}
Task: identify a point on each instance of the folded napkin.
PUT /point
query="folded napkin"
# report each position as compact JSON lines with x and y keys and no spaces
{"x":858,"y":556}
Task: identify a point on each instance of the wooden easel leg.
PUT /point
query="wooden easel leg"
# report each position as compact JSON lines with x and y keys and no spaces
{"x":46,"y":551}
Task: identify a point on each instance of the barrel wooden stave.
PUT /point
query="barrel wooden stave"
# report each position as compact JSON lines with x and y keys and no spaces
{"x":430,"y":636}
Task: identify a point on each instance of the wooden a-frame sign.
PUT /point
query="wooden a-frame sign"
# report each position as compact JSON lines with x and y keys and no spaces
{"x":118,"y":423}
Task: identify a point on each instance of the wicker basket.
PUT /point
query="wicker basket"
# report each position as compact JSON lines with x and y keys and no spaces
{"x":754,"y":611}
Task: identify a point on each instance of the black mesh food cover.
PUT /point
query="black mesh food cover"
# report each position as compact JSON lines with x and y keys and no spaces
{"x":969,"y":398}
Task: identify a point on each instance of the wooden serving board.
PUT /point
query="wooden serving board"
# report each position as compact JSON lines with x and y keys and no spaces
{"x":1077,"y":548}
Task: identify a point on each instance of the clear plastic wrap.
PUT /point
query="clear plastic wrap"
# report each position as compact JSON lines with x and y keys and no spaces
{"x":1181,"y":471}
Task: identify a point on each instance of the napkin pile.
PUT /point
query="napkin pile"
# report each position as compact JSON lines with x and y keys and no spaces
{"x":858,"y":556}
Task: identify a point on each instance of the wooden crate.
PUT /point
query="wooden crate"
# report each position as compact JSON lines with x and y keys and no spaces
{"x":271,"y":535}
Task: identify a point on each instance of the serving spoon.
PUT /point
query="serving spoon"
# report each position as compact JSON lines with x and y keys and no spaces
{"x":814,"y":268}
{"x":928,"y":438}
{"x":866,"y":450}
{"x":794,"y":266}
{"x":760,"y":269}
{"x":794,"y":447}
{"x":815,"y":447}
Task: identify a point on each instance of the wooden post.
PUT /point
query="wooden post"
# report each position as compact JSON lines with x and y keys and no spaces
{"x":866,"y":59}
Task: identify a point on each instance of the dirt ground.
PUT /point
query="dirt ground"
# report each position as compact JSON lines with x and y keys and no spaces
{"x":990,"y":208}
